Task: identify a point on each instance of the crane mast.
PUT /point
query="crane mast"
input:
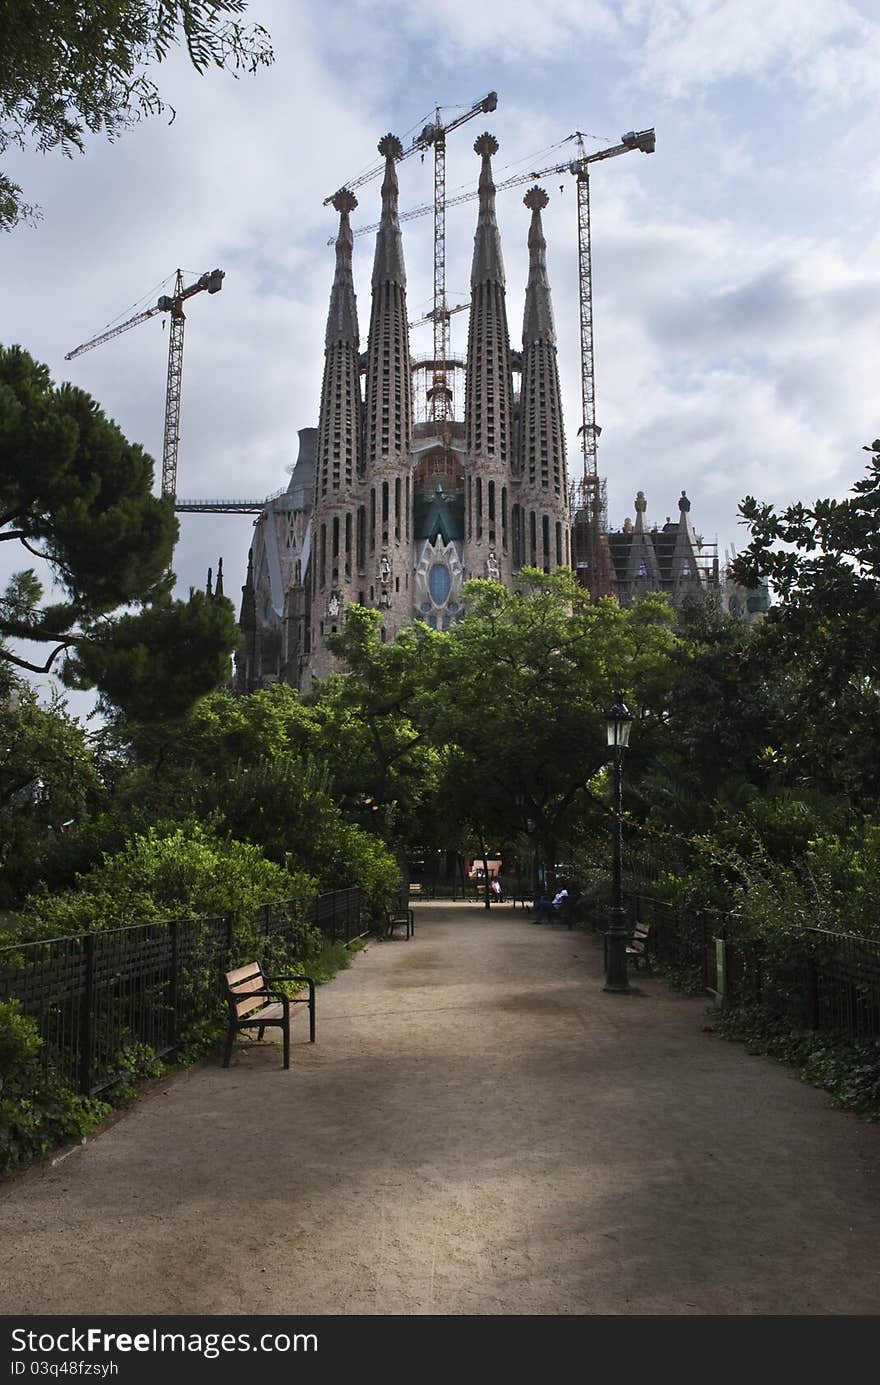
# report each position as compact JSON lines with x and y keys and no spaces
{"x":440,"y":394}
{"x":434,"y":136}
{"x":173,"y":304}
{"x":592,"y":555}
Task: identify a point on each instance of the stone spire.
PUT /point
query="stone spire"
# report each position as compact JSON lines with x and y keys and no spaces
{"x":538,"y":322}
{"x":542,"y":437}
{"x":342,"y":324}
{"x":209,"y":590}
{"x":388,"y":262}
{"x":247,"y":656}
{"x":339,"y":424}
{"x":248,"y":616}
{"x":686,"y":575}
{"x":489,"y":387}
{"x":542,"y":434}
{"x":642,"y":567}
{"x":218,"y":590}
{"x":488,"y":264}
{"x":389,"y":380}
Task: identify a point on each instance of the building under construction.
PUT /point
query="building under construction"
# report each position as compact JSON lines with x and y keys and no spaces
{"x":411,"y":485}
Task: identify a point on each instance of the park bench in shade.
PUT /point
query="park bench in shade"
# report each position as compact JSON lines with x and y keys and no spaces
{"x":255,"y":1002}
{"x":637,"y":946}
{"x":402,"y":917}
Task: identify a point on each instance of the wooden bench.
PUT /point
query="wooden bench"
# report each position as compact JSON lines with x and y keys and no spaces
{"x":637,"y":946}
{"x":256,"y":1002}
{"x":399,"y":918}
{"x":419,"y":890}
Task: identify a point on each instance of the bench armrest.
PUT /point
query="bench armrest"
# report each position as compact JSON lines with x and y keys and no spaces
{"x":291,"y":976}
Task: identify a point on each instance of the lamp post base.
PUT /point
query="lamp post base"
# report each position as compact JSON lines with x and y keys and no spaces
{"x":616,"y":972}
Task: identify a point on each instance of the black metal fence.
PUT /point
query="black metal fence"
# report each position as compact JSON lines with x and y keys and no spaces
{"x":817,"y":979}
{"x":338,"y":915}
{"x":96,"y":996}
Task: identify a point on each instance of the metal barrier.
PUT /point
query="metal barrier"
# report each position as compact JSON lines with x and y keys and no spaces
{"x":94,"y":996}
{"x":817,"y":979}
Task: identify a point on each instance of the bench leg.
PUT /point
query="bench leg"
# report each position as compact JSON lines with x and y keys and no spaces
{"x":260,"y":1032}
{"x":285,"y":1030}
{"x":311,"y":1012}
{"x":230,"y":1040}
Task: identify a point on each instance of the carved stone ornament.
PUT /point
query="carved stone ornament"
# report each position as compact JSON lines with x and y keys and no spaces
{"x":334,"y":605}
{"x":385,"y":568}
{"x":493,"y":571}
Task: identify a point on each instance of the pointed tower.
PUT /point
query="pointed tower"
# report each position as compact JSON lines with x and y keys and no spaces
{"x":218,"y":590}
{"x":488,"y":396}
{"x":544,"y":483}
{"x":388,"y":418}
{"x":642,"y":565}
{"x":247,"y":676}
{"x":339,"y":517}
{"x":687,"y":577}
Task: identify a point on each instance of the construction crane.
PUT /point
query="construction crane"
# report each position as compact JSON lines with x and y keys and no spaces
{"x":592,"y":555}
{"x":212,"y":282}
{"x":593,"y":558}
{"x":433,"y":136}
{"x":432,"y":316}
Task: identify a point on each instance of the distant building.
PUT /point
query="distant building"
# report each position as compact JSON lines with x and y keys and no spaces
{"x":395,"y":512}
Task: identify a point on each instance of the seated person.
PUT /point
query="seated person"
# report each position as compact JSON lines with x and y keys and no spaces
{"x":545,"y":908}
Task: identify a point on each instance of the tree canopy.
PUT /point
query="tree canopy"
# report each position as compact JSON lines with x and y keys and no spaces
{"x":822,"y":635}
{"x":76,"y":494}
{"x":68,"y":67}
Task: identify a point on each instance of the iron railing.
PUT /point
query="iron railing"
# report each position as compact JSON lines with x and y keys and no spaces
{"x":817,"y":979}
{"x":96,"y":996}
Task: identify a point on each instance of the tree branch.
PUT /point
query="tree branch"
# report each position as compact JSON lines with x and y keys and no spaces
{"x":35,"y":668}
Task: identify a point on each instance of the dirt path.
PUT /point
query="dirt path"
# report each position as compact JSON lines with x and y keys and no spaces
{"x":478,"y":1130}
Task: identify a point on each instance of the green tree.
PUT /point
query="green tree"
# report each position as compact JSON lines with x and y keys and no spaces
{"x":530,"y":675}
{"x":386,"y":709}
{"x":70,"y":66}
{"x":77,"y":495}
{"x":821,"y":637}
{"x":49,"y":780}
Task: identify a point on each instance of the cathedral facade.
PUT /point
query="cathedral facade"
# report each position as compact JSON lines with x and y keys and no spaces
{"x":396,"y":513}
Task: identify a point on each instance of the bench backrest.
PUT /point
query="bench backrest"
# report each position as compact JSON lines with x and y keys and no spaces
{"x":640,"y":936}
{"x":248,"y":989}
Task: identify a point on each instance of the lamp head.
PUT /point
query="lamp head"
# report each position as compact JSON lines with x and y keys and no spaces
{"x":618,"y":720}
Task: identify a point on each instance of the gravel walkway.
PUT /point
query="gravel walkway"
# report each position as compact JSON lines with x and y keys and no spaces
{"x":478,"y":1130}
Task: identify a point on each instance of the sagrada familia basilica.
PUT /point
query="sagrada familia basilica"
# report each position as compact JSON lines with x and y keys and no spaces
{"x":395,"y":513}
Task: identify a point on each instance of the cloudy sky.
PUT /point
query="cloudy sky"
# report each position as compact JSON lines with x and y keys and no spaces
{"x":736,"y":271}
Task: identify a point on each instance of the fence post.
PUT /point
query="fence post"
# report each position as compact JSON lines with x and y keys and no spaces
{"x":174,"y":984}
{"x":87,"y":1017}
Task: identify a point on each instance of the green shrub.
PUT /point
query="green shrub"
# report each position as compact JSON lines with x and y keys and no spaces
{"x":847,"y":1068}
{"x":38,"y":1110}
{"x":176,"y":870}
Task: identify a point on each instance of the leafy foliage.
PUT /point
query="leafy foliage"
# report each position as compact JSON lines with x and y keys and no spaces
{"x":67,"y":68}
{"x":180,"y":870}
{"x":48,"y":779}
{"x":37,"y":1109}
{"x":76,"y":494}
{"x":822,"y":637}
{"x":848,"y":1069}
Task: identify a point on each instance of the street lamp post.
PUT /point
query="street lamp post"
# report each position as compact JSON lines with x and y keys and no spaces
{"x":618,"y":721}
